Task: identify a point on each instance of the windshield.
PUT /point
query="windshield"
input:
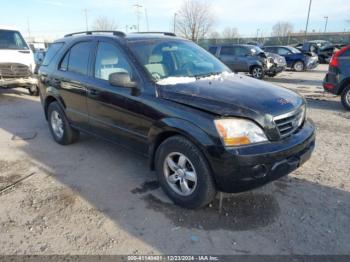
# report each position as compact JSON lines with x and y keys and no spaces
{"x":164,"y":58}
{"x":12,"y":40}
{"x":256,"y":50}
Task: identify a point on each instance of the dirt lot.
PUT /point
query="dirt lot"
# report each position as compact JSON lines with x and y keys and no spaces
{"x":95,"y":198}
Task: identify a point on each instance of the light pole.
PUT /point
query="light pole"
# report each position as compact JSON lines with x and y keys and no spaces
{"x":85,"y":11}
{"x":325,"y":26}
{"x":257,"y":34}
{"x":138,"y":7}
{"x":308,"y":16}
{"x":175,"y":14}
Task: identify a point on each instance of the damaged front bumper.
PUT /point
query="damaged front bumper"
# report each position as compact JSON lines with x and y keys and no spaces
{"x":18,"y":82}
{"x":311,"y":62}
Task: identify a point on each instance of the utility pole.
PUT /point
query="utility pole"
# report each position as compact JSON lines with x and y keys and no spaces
{"x":28,"y":28}
{"x":85,"y":11}
{"x":146,"y":16}
{"x":257,"y":34}
{"x":138,"y":12}
{"x":175,"y":14}
{"x":325,"y":26}
{"x":308,"y":17}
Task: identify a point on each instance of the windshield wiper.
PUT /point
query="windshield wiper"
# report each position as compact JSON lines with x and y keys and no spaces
{"x":207,"y":75}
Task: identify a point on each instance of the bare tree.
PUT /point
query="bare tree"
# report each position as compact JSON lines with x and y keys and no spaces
{"x":282,"y":29}
{"x":230,"y":33}
{"x":195,"y":19}
{"x":103,"y":23}
{"x":214,"y":35}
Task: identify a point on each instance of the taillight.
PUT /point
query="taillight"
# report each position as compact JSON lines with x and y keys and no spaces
{"x":334,"y":60}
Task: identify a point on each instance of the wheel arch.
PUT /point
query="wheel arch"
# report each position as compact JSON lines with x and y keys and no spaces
{"x":49,"y":99}
{"x":343,"y":85}
{"x":169,"y":127}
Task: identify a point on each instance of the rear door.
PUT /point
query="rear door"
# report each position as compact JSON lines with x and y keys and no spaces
{"x":242,"y":58}
{"x":227,"y":56}
{"x":72,"y":78}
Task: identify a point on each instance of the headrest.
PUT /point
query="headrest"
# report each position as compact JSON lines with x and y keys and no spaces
{"x":155,"y":59}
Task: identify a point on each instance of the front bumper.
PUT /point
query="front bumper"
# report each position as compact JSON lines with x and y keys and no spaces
{"x":248,"y":167}
{"x":276,"y":69}
{"x":312,"y":62}
{"x":18,"y":82}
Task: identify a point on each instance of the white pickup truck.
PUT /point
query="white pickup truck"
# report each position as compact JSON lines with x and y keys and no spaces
{"x":16,"y":61}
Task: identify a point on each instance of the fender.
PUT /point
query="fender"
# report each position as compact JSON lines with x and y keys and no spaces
{"x":167,"y":127}
{"x":50,"y":95}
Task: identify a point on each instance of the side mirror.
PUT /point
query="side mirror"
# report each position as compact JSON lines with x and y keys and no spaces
{"x":121,"y":79}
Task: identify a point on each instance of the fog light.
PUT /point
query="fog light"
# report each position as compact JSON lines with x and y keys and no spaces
{"x":259,"y":171}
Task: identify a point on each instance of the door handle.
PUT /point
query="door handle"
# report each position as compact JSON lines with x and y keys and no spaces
{"x":93,"y":92}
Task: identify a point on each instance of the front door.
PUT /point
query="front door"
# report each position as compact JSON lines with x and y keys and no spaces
{"x":114,"y":113}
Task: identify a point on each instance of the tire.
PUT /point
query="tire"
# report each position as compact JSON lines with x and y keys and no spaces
{"x":33,"y":90}
{"x":257,"y":72}
{"x":345,"y":97}
{"x":298,"y":66}
{"x":202,"y":191}
{"x":59,"y":126}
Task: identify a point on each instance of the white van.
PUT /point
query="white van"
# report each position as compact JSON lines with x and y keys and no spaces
{"x":16,"y":61}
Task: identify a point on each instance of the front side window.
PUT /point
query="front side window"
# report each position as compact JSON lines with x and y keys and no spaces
{"x":109,"y":59}
{"x":10,"y":39}
{"x":283,"y":51}
{"x":79,"y":58}
{"x":241,"y":51}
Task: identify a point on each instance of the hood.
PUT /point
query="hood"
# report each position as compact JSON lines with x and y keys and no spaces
{"x":24,"y":57}
{"x":233,"y":95}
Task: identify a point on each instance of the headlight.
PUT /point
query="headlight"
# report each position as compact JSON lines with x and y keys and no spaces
{"x":302,"y":116}
{"x":235,"y":131}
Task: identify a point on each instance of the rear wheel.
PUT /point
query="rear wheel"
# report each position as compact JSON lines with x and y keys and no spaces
{"x":183,"y":173}
{"x":33,"y":90}
{"x":345,"y":97}
{"x":60,"y":128}
{"x":257,"y":72}
{"x":298,"y":66}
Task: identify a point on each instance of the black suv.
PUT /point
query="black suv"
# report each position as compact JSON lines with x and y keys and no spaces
{"x":337,"y":80}
{"x":203,"y":127}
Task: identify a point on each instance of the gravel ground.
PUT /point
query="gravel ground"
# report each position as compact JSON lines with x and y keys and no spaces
{"x":95,"y":198}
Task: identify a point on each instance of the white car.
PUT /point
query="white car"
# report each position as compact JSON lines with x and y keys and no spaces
{"x":16,"y":61}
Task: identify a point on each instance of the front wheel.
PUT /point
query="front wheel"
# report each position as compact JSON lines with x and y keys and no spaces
{"x":257,"y":72}
{"x":183,"y":173}
{"x":298,"y":66}
{"x":345,"y":97}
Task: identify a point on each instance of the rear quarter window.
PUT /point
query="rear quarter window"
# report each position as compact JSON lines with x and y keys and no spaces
{"x":52,"y":52}
{"x":213,"y":49}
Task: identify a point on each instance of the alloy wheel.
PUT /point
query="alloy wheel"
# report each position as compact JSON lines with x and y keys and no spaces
{"x":57,"y":124}
{"x":180,"y":174}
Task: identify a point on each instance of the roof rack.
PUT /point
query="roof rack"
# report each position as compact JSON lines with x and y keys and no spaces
{"x":116,"y":33}
{"x":162,"y":33}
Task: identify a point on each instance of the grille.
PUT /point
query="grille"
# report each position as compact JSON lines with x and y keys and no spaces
{"x":14,"y":70}
{"x":288,"y":123}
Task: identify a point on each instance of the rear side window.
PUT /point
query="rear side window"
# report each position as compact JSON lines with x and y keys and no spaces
{"x":346,"y":53}
{"x":78,"y":61}
{"x":213,"y":49}
{"x":52,"y":52}
{"x":227,"y":50}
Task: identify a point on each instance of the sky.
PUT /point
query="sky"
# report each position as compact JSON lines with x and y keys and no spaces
{"x":54,"y":18}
